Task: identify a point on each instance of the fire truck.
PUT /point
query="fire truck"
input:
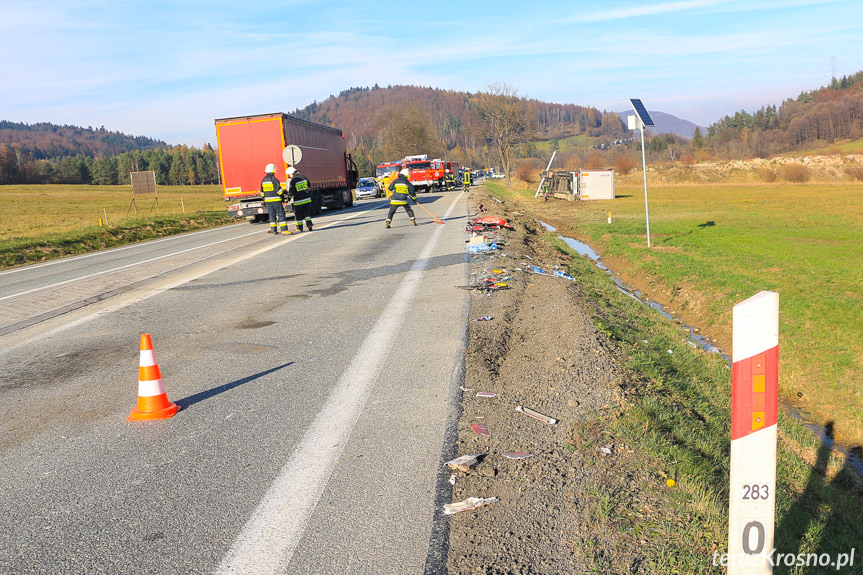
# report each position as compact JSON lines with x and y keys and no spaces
{"x":444,"y":174}
{"x":385,"y":173}
{"x":248,"y":143}
{"x":421,"y":172}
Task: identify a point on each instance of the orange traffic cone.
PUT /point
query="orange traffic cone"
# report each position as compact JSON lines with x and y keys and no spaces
{"x":152,"y":400}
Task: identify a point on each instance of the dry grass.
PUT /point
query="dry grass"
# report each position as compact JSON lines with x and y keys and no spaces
{"x":35,"y":211}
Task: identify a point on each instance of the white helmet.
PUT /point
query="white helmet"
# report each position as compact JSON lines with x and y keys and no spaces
{"x":291,"y":171}
{"x":270,"y":169}
{"x":406,"y":172}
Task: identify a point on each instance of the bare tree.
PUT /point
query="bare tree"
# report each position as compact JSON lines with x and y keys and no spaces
{"x":407,"y":131}
{"x":504,"y":120}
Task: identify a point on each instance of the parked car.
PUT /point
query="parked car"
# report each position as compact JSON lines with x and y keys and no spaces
{"x":367,"y":188}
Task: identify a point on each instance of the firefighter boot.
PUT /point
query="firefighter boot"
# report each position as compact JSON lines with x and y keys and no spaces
{"x":309,"y":224}
{"x":299,"y":227}
{"x":414,"y":221}
{"x":388,"y":225}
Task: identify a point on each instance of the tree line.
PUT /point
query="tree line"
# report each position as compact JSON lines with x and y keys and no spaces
{"x":173,"y":166}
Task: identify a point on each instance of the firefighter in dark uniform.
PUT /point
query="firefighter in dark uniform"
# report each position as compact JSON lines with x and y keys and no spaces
{"x":466,"y":179}
{"x":402,"y":189}
{"x":271,"y":191}
{"x":300,"y":191}
{"x":450,"y":180}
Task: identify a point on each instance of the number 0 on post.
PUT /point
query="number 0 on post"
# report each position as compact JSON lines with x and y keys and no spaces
{"x":754,"y":412}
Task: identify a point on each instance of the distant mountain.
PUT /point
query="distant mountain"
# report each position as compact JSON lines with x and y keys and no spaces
{"x":667,"y":124}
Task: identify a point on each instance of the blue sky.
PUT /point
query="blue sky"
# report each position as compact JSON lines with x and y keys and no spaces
{"x":167,"y":69}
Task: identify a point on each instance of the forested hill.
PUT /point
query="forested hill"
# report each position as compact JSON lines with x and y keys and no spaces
{"x":45,"y":140}
{"x":360,"y":113}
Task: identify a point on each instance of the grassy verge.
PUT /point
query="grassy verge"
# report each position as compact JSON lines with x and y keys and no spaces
{"x":38,"y":223}
{"x":716,"y":245}
{"x":675,"y":418}
{"x":20,"y":251}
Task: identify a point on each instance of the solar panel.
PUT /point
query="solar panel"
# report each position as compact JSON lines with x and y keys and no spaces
{"x":642,"y":113}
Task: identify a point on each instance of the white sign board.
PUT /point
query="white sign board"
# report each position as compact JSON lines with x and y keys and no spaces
{"x":292,"y":155}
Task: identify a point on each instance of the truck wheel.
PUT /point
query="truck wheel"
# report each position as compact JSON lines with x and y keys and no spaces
{"x":350,"y":198}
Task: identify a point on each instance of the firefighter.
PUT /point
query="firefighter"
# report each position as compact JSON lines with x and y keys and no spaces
{"x":299,"y":190}
{"x":450,"y":180}
{"x":466,"y":179}
{"x":271,"y":191}
{"x":402,"y":189}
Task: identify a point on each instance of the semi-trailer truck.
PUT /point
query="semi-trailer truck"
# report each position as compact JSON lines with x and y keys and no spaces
{"x":248,"y":143}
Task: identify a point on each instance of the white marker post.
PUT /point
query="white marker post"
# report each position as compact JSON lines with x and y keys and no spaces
{"x":754,"y":413}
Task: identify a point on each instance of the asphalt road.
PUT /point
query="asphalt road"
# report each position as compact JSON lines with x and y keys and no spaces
{"x":317,"y":375}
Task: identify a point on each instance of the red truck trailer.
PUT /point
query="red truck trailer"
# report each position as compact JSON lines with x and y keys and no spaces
{"x":248,"y":143}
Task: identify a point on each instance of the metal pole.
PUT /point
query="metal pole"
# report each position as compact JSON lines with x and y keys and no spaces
{"x":644,"y":171}
{"x":536,"y":195}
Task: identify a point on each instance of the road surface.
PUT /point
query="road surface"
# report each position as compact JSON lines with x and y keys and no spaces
{"x":317,"y":375}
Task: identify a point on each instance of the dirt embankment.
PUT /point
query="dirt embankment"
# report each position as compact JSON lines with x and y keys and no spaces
{"x":533,"y":345}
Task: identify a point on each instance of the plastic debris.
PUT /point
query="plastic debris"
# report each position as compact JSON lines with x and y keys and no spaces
{"x":480,"y":429}
{"x":518,"y":455}
{"x":486,"y":394}
{"x":605,"y":450}
{"x":467,"y":505}
{"x":477,"y":248}
{"x":464,"y":462}
{"x":536,"y":415}
{"x":536,"y":270}
{"x":563,"y":275}
{"x":485,"y":318}
{"x":452,"y":479}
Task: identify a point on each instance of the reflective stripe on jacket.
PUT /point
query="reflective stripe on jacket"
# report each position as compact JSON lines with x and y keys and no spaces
{"x":402,"y":189}
{"x":271,"y":191}
{"x":299,"y":190}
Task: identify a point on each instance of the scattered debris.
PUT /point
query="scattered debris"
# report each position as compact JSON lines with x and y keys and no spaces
{"x":605,"y":450}
{"x":464,"y":462}
{"x":467,"y":505}
{"x":485,"y":318}
{"x":486,"y":394}
{"x":518,"y":455}
{"x":480,"y":429}
{"x":563,"y":275}
{"x":452,"y":479}
{"x":536,"y":415}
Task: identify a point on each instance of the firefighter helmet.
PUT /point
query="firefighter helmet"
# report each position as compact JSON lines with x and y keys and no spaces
{"x":270,"y":169}
{"x":406,"y":172}
{"x":291,"y":171}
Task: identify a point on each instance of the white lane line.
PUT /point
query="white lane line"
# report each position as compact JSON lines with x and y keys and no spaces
{"x":159,"y":287}
{"x":268,"y":540}
{"x":132,"y":265}
{"x":172,"y":254}
{"x":112,"y":250}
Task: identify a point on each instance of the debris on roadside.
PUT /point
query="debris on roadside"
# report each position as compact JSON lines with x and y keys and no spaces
{"x":468,"y":504}
{"x":464,"y":463}
{"x":485,"y":318}
{"x":536,"y":415}
{"x":518,"y":455}
{"x":480,"y":429}
{"x":486,"y":394}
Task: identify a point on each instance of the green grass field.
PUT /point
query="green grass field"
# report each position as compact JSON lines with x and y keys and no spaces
{"x":720,"y":245}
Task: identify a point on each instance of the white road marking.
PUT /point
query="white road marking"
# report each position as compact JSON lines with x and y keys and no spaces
{"x":157,"y":287}
{"x":268,"y":540}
